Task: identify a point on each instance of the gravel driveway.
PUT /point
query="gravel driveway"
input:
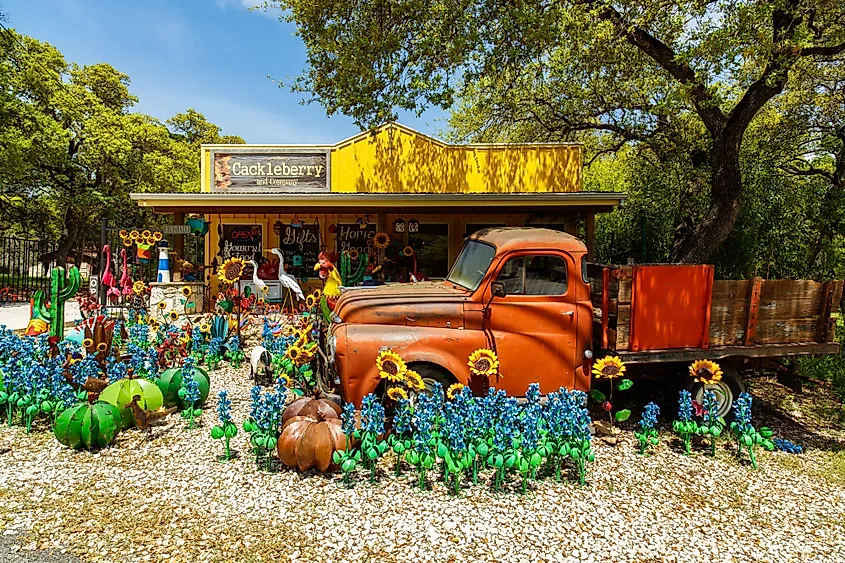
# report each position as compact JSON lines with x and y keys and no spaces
{"x":168,"y":499}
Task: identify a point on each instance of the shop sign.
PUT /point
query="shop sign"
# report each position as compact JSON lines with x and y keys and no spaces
{"x":352,"y":236}
{"x":176,"y":229}
{"x":242,"y":241}
{"x":277,"y":171}
{"x":302,"y":242}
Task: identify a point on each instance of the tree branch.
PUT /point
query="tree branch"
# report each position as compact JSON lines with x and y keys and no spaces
{"x":712,"y":116}
{"x":822,"y":50}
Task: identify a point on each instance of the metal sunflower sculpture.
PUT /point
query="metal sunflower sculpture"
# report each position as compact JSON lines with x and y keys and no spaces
{"x":484,"y":363}
{"x":397,"y":393}
{"x":609,"y":367}
{"x":231,"y":270}
{"x":381,"y":240}
{"x":453,"y":390}
{"x":414,"y":381}
{"x":391,"y":366}
{"x":707,"y":372}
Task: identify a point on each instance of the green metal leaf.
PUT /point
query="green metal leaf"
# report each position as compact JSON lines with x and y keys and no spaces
{"x":598,"y":396}
{"x":624,"y":385}
{"x":623,"y":415}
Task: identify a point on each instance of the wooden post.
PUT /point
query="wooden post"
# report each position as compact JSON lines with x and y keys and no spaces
{"x":591,"y":235}
{"x":753,"y":309}
{"x":605,"y":305}
{"x":178,"y":243}
{"x":825,"y":309}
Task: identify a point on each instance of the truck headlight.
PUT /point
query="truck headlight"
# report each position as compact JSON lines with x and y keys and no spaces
{"x":588,"y":354}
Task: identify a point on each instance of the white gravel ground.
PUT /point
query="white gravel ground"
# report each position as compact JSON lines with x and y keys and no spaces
{"x":168,"y":499}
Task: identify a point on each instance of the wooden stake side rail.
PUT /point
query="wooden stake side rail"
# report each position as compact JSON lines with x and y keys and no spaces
{"x":758,"y":351}
{"x":753,"y":318}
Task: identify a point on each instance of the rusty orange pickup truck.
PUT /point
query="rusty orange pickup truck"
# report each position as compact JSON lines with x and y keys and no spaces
{"x":530,"y":295}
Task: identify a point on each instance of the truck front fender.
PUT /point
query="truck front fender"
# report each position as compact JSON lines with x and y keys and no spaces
{"x":358,"y":345}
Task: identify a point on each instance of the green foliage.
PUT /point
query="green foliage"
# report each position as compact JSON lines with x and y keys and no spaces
{"x":73,"y":148}
{"x":674,"y":86}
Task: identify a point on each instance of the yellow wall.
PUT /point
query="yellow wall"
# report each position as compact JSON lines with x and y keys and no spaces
{"x":396,"y":159}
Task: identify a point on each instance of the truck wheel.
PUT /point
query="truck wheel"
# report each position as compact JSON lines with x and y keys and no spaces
{"x":727,"y":391}
{"x":431,"y":374}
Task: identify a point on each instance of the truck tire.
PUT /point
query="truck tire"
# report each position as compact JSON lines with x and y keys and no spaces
{"x":727,"y":391}
{"x":432,"y":374}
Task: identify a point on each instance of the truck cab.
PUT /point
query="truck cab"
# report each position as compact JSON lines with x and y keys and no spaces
{"x":522,"y":292}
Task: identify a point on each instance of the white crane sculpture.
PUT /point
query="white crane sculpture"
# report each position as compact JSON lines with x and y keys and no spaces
{"x":258,"y":283}
{"x":287,"y":280}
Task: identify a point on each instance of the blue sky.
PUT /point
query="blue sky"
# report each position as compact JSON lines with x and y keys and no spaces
{"x":210,"y":55}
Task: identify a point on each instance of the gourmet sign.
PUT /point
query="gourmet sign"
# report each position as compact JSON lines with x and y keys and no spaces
{"x":276,"y":171}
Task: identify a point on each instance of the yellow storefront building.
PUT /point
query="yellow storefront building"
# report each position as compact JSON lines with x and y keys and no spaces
{"x":427,"y":196}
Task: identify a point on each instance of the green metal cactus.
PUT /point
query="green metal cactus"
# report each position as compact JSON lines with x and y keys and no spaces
{"x":349,"y":279}
{"x":62,"y":288}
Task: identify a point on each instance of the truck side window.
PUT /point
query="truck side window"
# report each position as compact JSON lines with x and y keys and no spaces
{"x":534,"y":275}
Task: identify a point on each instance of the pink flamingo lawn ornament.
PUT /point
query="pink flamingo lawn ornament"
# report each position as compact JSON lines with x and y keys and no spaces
{"x":108,"y":277}
{"x":125,"y":280}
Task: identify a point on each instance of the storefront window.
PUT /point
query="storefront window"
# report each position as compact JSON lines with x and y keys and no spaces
{"x":431,"y":245}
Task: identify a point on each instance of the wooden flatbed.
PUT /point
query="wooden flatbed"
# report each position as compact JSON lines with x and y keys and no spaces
{"x":679,"y":313}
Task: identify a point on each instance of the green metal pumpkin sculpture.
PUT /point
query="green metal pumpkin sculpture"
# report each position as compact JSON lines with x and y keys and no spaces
{"x":120,"y":394}
{"x":89,"y":426}
{"x":170,"y":382}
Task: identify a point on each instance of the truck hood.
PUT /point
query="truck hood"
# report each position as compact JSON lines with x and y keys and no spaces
{"x":413,"y":304}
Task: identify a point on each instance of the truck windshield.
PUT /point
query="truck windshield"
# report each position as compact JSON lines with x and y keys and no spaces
{"x":472,"y":264}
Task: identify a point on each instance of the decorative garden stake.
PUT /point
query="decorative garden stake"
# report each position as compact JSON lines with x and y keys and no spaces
{"x":787,"y":446}
{"x":685,"y":426}
{"x":372,"y":426}
{"x":713,"y":425}
{"x":347,"y":459}
{"x":62,"y":288}
{"x":611,"y":367}
{"x":747,"y":437}
{"x":647,"y":434}
{"x":227,"y":429}
{"x":400,"y":439}
{"x":190,"y":392}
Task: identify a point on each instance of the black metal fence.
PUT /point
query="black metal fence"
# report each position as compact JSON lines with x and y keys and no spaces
{"x":23,"y":268}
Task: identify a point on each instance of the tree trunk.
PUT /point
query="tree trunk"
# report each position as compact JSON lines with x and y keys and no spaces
{"x":725,"y":202}
{"x":67,"y":242}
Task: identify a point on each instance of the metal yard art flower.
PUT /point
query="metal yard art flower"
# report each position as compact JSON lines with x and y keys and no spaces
{"x":231,"y":270}
{"x":484,"y":363}
{"x":391,"y":366}
{"x":609,"y":367}
{"x":381,"y":240}
{"x":707,"y":372}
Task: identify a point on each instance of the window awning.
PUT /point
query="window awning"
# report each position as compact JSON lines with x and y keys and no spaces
{"x":475,"y":203}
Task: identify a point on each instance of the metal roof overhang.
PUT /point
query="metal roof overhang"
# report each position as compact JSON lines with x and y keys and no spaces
{"x":327,"y":202}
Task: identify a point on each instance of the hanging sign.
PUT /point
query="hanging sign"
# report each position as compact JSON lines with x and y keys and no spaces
{"x":302,"y":241}
{"x":276,"y":171}
{"x":352,"y":236}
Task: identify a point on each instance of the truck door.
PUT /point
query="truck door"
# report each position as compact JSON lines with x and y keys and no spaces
{"x":534,"y":325}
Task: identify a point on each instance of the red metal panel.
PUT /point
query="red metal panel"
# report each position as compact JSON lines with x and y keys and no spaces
{"x":670,"y":307}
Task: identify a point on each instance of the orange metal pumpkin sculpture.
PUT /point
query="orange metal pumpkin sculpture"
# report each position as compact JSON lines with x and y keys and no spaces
{"x":308,"y":442}
{"x":313,"y":407}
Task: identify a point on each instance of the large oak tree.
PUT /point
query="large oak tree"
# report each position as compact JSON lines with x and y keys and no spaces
{"x":633,"y":71}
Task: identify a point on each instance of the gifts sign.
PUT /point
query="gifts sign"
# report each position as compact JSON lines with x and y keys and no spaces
{"x":301,"y":241}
